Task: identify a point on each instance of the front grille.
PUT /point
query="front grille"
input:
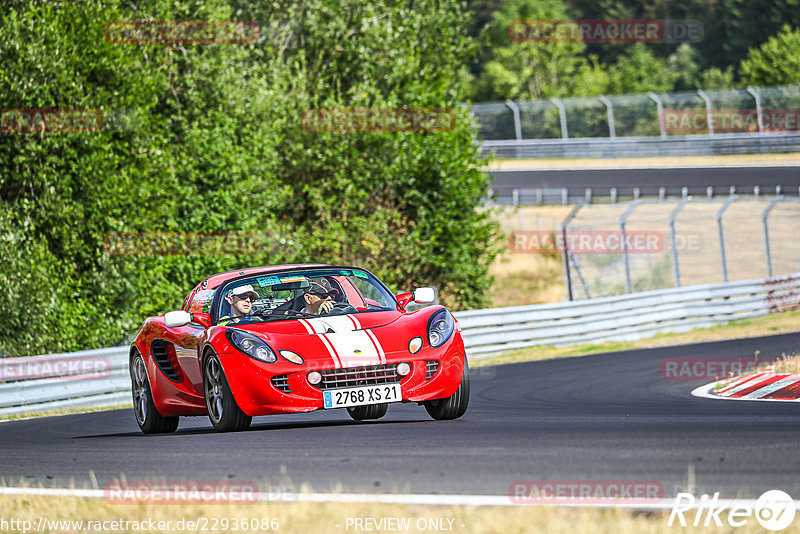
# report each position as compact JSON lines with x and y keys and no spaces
{"x":430,"y":368}
{"x":368,"y":375}
{"x":282,"y":383}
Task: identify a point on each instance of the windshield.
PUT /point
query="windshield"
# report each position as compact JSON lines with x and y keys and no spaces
{"x":318,"y":292}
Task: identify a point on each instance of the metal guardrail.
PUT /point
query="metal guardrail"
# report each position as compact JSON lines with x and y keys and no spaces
{"x":626,"y":317}
{"x":566,"y":196}
{"x":99,"y":378}
{"x":84,"y":379}
{"x":622,"y":147}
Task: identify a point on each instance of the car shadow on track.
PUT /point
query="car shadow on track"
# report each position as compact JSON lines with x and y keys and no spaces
{"x":259,"y":427}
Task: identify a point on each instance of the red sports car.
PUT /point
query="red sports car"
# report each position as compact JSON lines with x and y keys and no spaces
{"x":296,"y":338}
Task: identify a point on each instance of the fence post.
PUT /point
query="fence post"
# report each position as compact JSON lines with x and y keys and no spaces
{"x":565,"y":251}
{"x":722,"y":236}
{"x":672,"y":216}
{"x":702,"y":94}
{"x":660,"y":110}
{"x":759,"y":115}
{"x":612,"y":130}
{"x":562,"y":115}
{"x":517,"y":123}
{"x":625,"y":259}
{"x":764,"y":221}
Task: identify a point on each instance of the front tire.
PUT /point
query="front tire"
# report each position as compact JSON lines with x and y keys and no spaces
{"x":147,"y":416}
{"x":224,"y":413}
{"x":373,"y":411}
{"x":454,"y":406}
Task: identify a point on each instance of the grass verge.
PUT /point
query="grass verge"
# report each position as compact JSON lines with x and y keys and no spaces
{"x":302,"y":517}
{"x":32,"y":415}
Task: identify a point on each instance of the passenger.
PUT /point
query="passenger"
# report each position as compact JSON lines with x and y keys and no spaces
{"x":241,"y":300}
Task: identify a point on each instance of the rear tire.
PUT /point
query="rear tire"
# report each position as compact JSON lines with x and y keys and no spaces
{"x":454,"y":406}
{"x":224,"y":413}
{"x":373,"y":411}
{"x":147,"y":416}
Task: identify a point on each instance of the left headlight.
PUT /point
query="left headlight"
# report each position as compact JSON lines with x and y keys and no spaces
{"x":440,"y":328}
{"x":252,"y":346}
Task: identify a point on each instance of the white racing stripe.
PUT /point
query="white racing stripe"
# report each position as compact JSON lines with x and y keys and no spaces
{"x":377,"y":345}
{"x":355,"y":348}
{"x":348,"y":345}
{"x":310,"y":328}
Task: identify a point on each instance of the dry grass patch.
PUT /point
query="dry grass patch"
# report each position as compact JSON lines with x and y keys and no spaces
{"x":34,"y":414}
{"x":303,"y":518}
{"x":521,"y":279}
{"x":588,"y":163}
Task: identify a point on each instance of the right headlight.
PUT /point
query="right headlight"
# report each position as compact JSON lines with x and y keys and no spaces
{"x":440,"y":328}
{"x":251,"y":345}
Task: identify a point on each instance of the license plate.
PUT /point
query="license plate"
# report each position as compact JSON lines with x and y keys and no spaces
{"x":342,"y":398}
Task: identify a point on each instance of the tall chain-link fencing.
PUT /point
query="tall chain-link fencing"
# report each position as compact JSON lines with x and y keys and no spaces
{"x":614,"y":249}
{"x":751,"y":110}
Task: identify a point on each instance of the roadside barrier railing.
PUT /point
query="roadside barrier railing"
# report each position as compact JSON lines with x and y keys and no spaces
{"x":624,"y":318}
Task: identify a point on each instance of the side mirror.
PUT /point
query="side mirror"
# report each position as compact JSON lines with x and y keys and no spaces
{"x":203,"y":319}
{"x":424,"y":295}
{"x":178,"y":318}
{"x":404,"y":298}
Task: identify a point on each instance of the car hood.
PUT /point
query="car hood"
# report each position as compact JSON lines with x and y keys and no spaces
{"x":339,"y":340}
{"x":329,"y":324}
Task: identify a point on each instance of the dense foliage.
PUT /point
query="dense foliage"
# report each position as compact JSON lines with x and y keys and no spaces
{"x":208,"y":138}
{"x":744,"y":42}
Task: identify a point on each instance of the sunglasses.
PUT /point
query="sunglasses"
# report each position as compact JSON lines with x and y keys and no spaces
{"x":247,"y":297}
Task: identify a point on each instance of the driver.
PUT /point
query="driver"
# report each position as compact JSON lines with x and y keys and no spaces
{"x":241,"y":300}
{"x":318,"y":299}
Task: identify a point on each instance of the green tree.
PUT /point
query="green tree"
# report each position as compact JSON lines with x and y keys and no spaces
{"x":776,"y":62}
{"x":520,"y":68}
{"x":640,"y":72}
{"x":215,"y":143}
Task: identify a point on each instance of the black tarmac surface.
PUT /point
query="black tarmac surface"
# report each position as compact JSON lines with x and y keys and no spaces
{"x":601,"y":417}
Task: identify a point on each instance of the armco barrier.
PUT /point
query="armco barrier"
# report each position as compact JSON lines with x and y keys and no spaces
{"x":625,"y":147}
{"x":99,"y":378}
{"x":85,"y":379}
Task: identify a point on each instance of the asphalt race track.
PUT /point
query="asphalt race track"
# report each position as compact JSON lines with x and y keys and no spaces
{"x":788,"y":177}
{"x":602,"y":417}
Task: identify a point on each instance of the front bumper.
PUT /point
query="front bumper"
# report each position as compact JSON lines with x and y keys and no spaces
{"x":256,"y":393}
